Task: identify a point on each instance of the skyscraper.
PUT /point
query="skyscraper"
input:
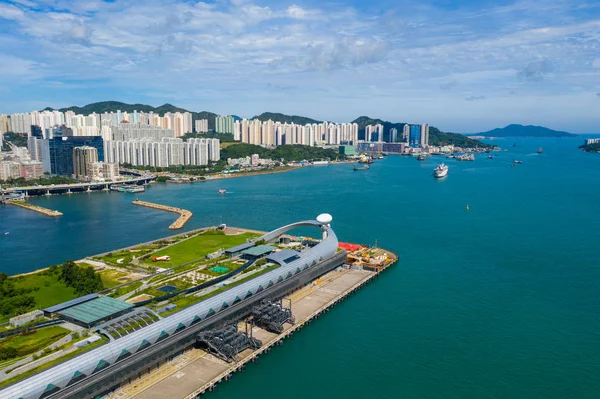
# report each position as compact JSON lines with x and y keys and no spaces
{"x":57,"y":152}
{"x":424,"y":135}
{"x":415,"y":136}
{"x":82,"y":157}
{"x":393,"y":135}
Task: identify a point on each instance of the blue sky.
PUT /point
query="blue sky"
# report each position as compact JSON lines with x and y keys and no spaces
{"x":462,"y":66}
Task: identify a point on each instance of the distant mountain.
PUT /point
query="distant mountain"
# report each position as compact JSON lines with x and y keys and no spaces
{"x":113,"y":106}
{"x":524,"y":131}
{"x":436,"y":136}
{"x":277,"y":117}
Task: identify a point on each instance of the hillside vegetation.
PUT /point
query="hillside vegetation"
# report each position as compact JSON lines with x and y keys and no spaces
{"x":277,"y":117}
{"x":525,"y":131}
{"x":595,"y":147}
{"x":436,"y":136}
{"x":289,"y":153}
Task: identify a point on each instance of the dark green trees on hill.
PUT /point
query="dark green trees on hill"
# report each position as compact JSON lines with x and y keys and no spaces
{"x":277,"y":117}
{"x":289,"y":153}
{"x":84,"y":280}
{"x":13,"y":300}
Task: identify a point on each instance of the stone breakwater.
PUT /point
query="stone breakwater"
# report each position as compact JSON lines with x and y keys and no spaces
{"x":184,"y":215}
{"x":35,"y":208}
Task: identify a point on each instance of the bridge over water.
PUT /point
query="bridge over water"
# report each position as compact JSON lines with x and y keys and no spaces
{"x":137,"y":178}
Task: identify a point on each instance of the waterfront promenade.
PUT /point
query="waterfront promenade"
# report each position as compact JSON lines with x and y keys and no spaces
{"x":184,"y":215}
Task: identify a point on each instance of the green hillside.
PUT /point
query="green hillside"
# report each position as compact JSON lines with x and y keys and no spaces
{"x":277,"y":117}
{"x":436,"y":136}
{"x":289,"y":153}
{"x":515,"y":130}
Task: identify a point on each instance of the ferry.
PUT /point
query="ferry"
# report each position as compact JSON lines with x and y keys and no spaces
{"x":440,"y":171}
{"x":128,"y":188}
{"x":361,"y":168}
{"x":222,"y":191}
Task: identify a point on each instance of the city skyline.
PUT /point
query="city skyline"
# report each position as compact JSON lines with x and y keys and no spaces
{"x":464,"y":67}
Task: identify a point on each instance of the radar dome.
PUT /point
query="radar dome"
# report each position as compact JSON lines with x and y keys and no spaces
{"x":324,"y":218}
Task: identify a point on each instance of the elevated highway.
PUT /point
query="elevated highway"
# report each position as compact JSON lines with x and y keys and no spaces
{"x":79,"y":187}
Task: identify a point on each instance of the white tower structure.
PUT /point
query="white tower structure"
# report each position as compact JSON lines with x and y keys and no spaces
{"x":325,"y":220}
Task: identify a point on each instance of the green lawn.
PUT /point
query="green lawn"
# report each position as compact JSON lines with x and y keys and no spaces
{"x":37,"y":340}
{"x":111,"y":278}
{"x":124,"y":290}
{"x":197,"y":247}
{"x":51,"y":291}
{"x":185,"y":301}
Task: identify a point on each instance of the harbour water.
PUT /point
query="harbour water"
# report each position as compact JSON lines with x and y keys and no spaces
{"x":498,"y":301}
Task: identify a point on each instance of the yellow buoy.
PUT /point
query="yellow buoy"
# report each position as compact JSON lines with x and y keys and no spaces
{"x":467,"y":207}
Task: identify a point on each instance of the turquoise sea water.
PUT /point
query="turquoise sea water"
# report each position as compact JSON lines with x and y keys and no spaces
{"x":500,"y":301}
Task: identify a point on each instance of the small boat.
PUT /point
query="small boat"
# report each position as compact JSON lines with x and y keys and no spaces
{"x":222,"y":191}
{"x":540,"y":150}
{"x":7,"y":233}
{"x":467,"y":207}
{"x":356,"y":168}
{"x":490,"y":157}
{"x":440,"y":171}
{"x":517,"y":161}
{"x":421,"y":157}
{"x":450,"y":156}
{"x":515,"y":144}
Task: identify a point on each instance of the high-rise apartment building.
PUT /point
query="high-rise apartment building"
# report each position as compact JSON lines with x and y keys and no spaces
{"x":393,"y":135}
{"x":224,"y":124}
{"x":4,"y":124}
{"x":82,"y":157}
{"x":201,"y":125}
{"x":128,"y":131}
{"x":164,"y":152}
{"x":406,"y":133}
{"x":424,"y":142}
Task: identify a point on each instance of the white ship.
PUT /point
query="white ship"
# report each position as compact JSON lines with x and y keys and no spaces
{"x":440,"y":171}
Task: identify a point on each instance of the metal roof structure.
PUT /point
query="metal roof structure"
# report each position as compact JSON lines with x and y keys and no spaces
{"x":284,"y":257}
{"x":71,"y":303}
{"x":69,"y":372}
{"x":259,"y":250}
{"x":239,"y":248}
{"x":95,"y":310}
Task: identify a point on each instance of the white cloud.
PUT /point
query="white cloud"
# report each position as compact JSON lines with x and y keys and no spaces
{"x":237,"y":48}
{"x":8,"y":11}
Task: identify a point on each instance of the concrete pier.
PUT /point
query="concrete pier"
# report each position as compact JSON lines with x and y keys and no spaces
{"x":184,"y":215}
{"x":35,"y":208}
{"x":195,"y":372}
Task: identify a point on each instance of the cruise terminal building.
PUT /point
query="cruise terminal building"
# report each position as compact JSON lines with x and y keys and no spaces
{"x":102,"y":369}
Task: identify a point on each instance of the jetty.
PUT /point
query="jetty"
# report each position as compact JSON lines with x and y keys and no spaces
{"x":35,"y":208}
{"x":204,"y":371}
{"x":184,"y":215}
